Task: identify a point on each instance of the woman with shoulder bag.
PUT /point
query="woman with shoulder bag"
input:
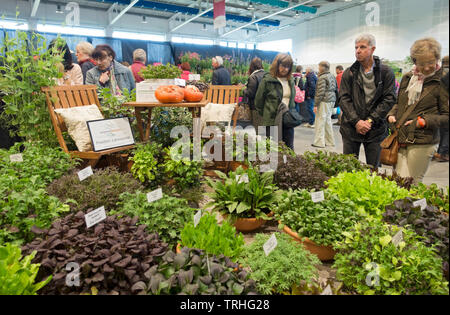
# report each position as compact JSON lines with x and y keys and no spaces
{"x":421,"y":109}
{"x":275,"y":97}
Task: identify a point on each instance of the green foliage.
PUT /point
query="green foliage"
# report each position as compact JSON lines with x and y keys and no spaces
{"x":186,"y":172}
{"x":26,"y":66}
{"x":112,"y":104}
{"x":434,"y":195}
{"x":238,"y":199}
{"x":213,"y":238}
{"x":285,"y":267}
{"x":101,"y":189}
{"x":147,"y":160}
{"x":24,"y":209}
{"x":332,"y":163}
{"x":322,"y":222}
{"x":370,"y":263}
{"x":192,"y":272}
{"x":369,"y":192}
{"x":43,"y":162}
{"x":167,"y":71}
{"x":166,"y":216}
{"x":239,"y":79}
{"x":17,"y":273}
{"x":164,"y":120}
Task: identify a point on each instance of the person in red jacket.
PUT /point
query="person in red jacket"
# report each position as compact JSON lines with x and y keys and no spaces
{"x":339,"y":73}
{"x":139,"y":59}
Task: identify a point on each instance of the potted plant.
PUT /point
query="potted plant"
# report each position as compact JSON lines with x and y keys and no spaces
{"x":244,"y":197}
{"x":155,"y":76}
{"x":318,"y":225}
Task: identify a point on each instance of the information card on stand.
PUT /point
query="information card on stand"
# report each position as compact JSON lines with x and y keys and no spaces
{"x":85,"y":173}
{"x":422,"y":203}
{"x":154,"y":195}
{"x":16,"y":157}
{"x":317,"y":196}
{"x":94,"y":217}
{"x":270,"y":245}
{"x":197,"y":217}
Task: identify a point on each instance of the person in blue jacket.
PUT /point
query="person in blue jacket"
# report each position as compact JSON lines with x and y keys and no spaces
{"x":310,"y":93}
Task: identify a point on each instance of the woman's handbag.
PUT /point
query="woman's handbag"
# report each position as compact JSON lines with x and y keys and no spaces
{"x":389,"y":149}
{"x":292,"y":118}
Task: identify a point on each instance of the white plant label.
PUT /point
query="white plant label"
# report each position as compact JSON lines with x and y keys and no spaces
{"x":154,"y":195}
{"x":284,"y":159}
{"x":94,"y":217}
{"x":397,"y":238}
{"x":422,"y":203}
{"x":270,"y":245}
{"x":180,"y":82}
{"x":197,"y":217}
{"x":317,"y":196}
{"x":16,"y":157}
{"x":242,"y":178}
{"x":85,"y":173}
{"x":207,"y":263}
{"x":327,"y":291}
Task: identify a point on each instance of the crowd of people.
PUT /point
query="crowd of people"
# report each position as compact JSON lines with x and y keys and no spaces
{"x":371,"y":105}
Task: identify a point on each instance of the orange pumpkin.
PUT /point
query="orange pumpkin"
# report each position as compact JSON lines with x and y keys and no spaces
{"x":192,"y":94}
{"x":169,"y":94}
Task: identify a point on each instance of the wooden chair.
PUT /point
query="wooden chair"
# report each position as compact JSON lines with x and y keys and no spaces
{"x":73,"y":96}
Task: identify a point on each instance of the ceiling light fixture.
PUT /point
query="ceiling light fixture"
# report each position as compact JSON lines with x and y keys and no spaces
{"x":204,"y":27}
{"x":58,"y":9}
{"x":144,"y":19}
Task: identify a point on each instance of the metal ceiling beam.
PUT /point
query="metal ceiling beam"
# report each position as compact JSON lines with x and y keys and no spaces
{"x":284,"y":4}
{"x":35,"y":7}
{"x":266,"y":17}
{"x":191,"y":19}
{"x":123,"y":12}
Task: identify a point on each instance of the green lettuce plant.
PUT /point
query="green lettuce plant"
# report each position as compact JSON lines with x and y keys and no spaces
{"x":322,"y":222}
{"x":167,"y":71}
{"x":369,"y":192}
{"x":286,"y":267}
{"x":213,"y":238}
{"x":17,"y":273}
{"x":147,"y":160}
{"x":369,"y":262}
{"x":332,"y":163}
{"x":186,"y":172}
{"x":434,"y":195}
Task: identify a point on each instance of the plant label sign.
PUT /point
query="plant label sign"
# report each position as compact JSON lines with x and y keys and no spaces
{"x":154,"y":195}
{"x":94,"y":217}
{"x":270,"y":245}
{"x":85,"y":173}
{"x":317,"y":196}
{"x":197,"y":217}
{"x":397,"y":238}
{"x":180,"y":82}
{"x":16,"y":157}
{"x":242,"y":178}
{"x":422,"y":203}
{"x":327,"y":291}
{"x":284,"y":159}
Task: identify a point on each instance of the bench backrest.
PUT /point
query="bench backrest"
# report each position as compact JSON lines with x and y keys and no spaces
{"x":66,"y":97}
{"x":223,"y":94}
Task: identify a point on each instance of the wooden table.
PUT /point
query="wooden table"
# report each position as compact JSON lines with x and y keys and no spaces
{"x":194,"y":108}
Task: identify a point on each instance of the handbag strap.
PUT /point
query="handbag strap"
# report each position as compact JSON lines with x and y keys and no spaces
{"x":410,"y":109}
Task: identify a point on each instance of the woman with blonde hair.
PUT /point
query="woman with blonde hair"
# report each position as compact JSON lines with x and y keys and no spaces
{"x":277,"y":87}
{"x":84,"y":57}
{"x":421,"y":109}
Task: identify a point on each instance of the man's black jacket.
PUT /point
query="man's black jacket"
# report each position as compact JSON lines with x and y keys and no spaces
{"x":353,"y":104}
{"x":221,"y":76}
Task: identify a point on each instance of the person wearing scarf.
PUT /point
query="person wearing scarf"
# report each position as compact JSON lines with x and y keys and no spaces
{"x":84,"y":57}
{"x":109,"y":73}
{"x":419,"y":135}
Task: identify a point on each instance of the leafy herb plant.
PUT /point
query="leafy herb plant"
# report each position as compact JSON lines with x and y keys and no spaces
{"x":147,"y":160}
{"x":17,"y":273}
{"x":194,"y":272}
{"x":186,"y":172}
{"x":213,"y":238}
{"x":369,"y":192}
{"x":166,"y":216}
{"x":167,"y":71}
{"x":240,"y":199}
{"x":284,"y":268}
{"x":369,"y":262}
{"x":433,"y":194}
{"x":332,"y":163}
{"x":322,"y":222}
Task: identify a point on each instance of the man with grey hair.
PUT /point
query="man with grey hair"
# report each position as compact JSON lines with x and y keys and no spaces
{"x":139,"y":59}
{"x":367,"y":93}
{"x":221,"y":76}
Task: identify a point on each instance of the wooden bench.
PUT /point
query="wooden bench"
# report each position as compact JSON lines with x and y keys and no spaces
{"x":73,"y":96}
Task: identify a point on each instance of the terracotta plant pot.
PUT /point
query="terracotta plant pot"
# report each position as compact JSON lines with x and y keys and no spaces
{"x":324,"y":253}
{"x":234,"y":165}
{"x":248,"y":224}
{"x":178,"y":248}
